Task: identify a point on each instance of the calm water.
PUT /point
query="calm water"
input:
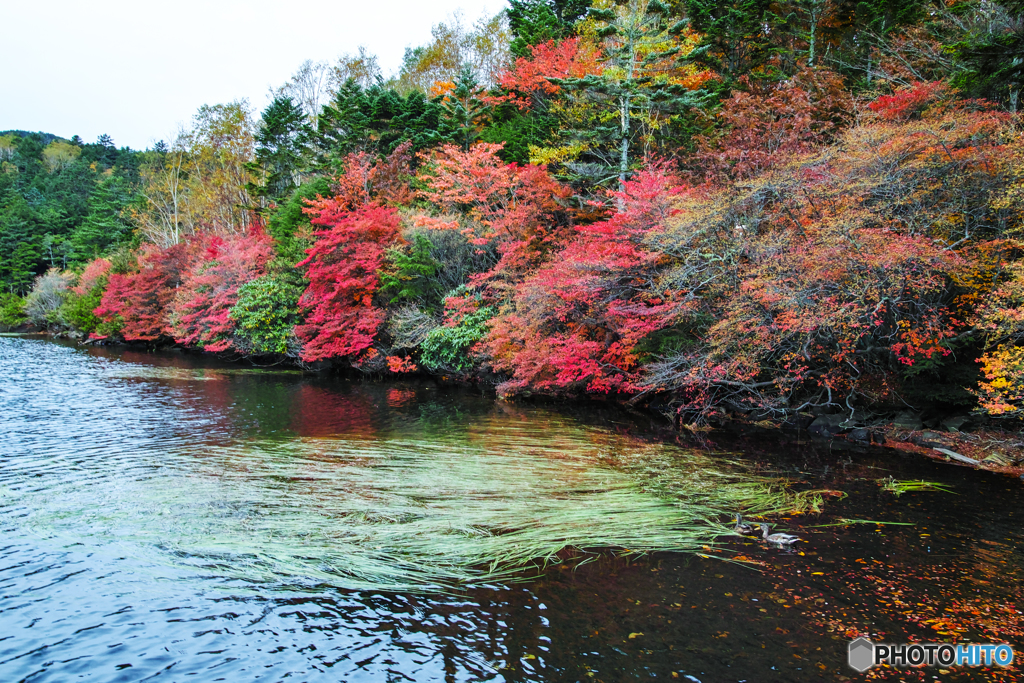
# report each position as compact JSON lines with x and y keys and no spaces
{"x":173,"y":518}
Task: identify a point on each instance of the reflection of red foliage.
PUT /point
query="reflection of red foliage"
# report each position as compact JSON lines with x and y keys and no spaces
{"x":342,"y":269}
{"x":916,"y":601}
{"x":209,"y":289}
{"x":317,"y":412}
{"x":139,"y":300}
{"x":398,"y":398}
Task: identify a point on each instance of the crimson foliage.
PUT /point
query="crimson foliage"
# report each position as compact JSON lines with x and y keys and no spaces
{"x":575,"y":323}
{"x":199,"y":312}
{"x":341,"y":317}
{"x":136,"y":303}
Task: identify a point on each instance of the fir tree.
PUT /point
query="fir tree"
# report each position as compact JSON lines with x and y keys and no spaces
{"x":632,"y":87}
{"x":340,"y":128}
{"x":464,"y":111}
{"x":103,"y":225}
{"x":735,"y":35}
{"x":995,"y":60}
{"x":278,"y":151}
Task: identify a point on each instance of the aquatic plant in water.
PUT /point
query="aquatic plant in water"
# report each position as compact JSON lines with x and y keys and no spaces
{"x":409,"y":514}
{"x":897,"y":487}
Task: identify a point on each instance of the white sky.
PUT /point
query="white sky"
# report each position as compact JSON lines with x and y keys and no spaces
{"x":135,"y":69}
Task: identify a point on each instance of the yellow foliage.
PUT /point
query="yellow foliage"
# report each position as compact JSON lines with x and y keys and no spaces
{"x":1002,"y":391}
{"x":59,"y":154}
{"x":1012,"y":198}
{"x":556,"y":155}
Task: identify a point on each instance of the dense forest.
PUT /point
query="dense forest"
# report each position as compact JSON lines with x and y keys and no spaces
{"x":751,"y":206}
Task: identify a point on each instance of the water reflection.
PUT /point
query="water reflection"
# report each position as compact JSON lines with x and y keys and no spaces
{"x":175,"y":517}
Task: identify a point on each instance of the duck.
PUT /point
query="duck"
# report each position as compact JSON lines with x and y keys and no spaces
{"x":741,"y":526}
{"x":777,"y":539}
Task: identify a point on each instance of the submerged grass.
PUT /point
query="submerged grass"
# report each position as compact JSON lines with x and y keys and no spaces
{"x":495,"y":505}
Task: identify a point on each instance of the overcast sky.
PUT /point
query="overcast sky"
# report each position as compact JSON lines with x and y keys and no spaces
{"x":135,"y":69}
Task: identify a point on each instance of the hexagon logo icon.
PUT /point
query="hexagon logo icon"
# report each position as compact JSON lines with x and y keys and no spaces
{"x":862,"y":654}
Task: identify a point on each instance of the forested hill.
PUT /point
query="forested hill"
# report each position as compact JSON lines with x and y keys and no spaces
{"x":45,"y":138}
{"x":62,"y":202}
{"x":757,"y":207}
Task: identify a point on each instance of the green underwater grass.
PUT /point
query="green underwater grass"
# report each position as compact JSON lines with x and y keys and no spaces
{"x":489,"y":504}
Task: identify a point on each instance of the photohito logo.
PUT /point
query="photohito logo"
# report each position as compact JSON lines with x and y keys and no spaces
{"x":863,"y":654}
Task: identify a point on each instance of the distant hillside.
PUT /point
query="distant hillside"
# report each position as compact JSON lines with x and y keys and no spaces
{"x":47,"y":137}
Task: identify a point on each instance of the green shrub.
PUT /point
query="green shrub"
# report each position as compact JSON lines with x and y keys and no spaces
{"x":76,"y":311}
{"x":288,"y":218}
{"x":12,"y":311}
{"x":265,"y":314}
{"x":447,"y":348}
{"x":411,"y":276}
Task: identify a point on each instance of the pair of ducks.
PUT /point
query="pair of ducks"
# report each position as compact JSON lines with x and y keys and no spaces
{"x":776,"y":539}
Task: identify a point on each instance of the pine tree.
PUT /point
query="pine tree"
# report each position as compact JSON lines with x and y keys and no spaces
{"x":278,"y":151}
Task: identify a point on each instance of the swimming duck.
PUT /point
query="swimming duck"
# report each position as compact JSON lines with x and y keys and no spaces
{"x":777,"y":539}
{"x":741,"y":526}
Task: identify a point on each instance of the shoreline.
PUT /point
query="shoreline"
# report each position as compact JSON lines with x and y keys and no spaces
{"x":983,"y":448}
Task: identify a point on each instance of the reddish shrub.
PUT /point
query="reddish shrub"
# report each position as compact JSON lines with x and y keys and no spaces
{"x":92,"y":276}
{"x":575,"y":324}
{"x":908,"y":102}
{"x":532,"y":77}
{"x":138,"y":301}
{"x":199,"y":311}
{"x":342,"y":266}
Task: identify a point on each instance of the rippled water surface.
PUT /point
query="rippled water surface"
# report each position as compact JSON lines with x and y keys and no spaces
{"x":177,"y":518}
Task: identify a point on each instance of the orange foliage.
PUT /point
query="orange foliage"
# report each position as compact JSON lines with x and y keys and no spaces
{"x":509,"y":202}
{"x":384,"y":181}
{"x":531,"y":78}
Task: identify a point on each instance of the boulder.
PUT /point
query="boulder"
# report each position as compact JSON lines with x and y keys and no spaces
{"x":828,"y":425}
{"x":860,"y":435}
{"x":907,"y":420}
{"x":797,"y":423}
{"x":955,"y":423}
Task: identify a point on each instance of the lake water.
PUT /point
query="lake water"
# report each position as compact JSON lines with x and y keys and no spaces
{"x":176,"y":518}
